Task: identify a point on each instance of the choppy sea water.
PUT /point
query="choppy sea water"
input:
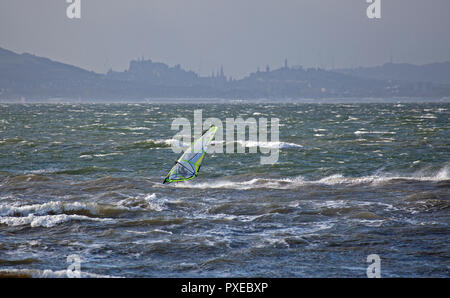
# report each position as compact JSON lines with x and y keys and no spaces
{"x":351,"y":180}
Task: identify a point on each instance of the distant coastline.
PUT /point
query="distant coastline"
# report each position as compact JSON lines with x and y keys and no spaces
{"x":29,"y":78}
{"x":251,"y":101}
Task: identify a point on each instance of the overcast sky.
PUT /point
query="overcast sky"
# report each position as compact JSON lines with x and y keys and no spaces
{"x":241,"y":35}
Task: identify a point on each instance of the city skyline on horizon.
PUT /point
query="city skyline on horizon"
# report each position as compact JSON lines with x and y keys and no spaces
{"x":221,"y":70}
{"x":26,"y":75}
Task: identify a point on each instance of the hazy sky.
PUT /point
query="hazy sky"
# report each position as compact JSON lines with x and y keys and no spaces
{"x":241,"y":35}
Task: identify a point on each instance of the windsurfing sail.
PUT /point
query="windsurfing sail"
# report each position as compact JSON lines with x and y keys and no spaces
{"x":188,"y":165}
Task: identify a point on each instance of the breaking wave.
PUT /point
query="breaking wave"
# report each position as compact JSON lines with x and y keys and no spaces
{"x":167,"y":143}
{"x":337,"y":179}
{"x":269,"y":145}
{"x":53,"y":213}
{"x":266,"y":145}
{"x":158,"y":143}
{"x":46,"y":221}
{"x":36,"y":273}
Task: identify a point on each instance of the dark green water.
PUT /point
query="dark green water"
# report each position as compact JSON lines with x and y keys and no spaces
{"x":351,"y":180}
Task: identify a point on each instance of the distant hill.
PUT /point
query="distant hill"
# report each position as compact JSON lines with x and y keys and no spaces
{"x":31,"y":77}
{"x":26,"y":66}
{"x":433,"y":72}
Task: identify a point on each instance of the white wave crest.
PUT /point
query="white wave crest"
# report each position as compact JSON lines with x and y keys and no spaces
{"x":46,"y":221}
{"x":53,"y":207}
{"x":267,"y":145}
{"x":147,"y":201}
{"x":52,"y":213}
{"x":362,"y":131}
{"x":248,"y":144}
{"x":135,"y":128}
{"x":298,"y":181}
{"x":167,"y":142}
{"x":47,"y":273}
{"x":254,"y":183}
